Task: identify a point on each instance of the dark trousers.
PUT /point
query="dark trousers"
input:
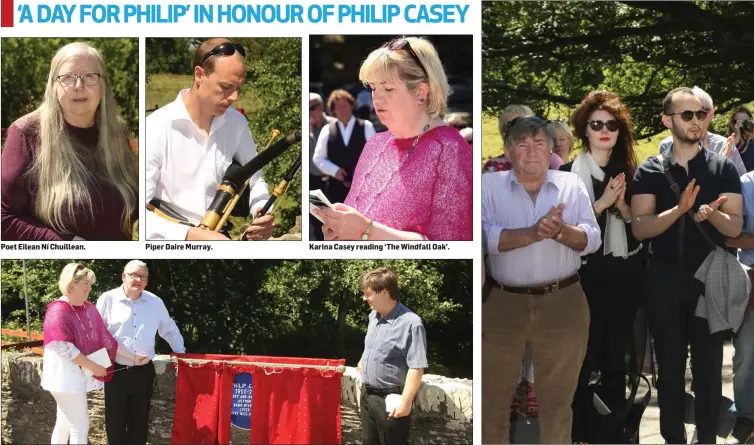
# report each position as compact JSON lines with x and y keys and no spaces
{"x":670,"y":304}
{"x":613,"y":290}
{"x":127,"y":398}
{"x":315,"y":226}
{"x":376,"y":427}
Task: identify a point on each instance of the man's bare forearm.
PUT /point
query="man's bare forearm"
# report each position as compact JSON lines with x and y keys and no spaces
{"x":574,"y":238}
{"x":413,"y":382}
{"x":513,"y":239}
{"x":728,"y":224}
{"x":650,"y":226}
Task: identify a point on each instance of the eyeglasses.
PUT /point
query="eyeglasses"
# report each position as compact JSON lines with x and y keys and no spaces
{"x":313,"y":107}
{"x":88,"y":79}
{"x":224,"y":50}
{"x":517,"y":120}
{"x":403,"y":45}
{"x":137,"y":277}
{"x":612,"y":125}
{"x":687,"y":115}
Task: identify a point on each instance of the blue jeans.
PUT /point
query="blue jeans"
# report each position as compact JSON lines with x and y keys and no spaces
{"x":743,"y":369}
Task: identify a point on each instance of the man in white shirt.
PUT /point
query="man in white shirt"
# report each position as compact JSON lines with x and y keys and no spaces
{"x":537,"y":226}
{"x":192,"y":141}
{"x":340,"y":144}
{"x":711,"y":141}
{"x":133,"y":316}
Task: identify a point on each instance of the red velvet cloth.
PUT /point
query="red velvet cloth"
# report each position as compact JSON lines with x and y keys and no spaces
{"x":290,"y":406}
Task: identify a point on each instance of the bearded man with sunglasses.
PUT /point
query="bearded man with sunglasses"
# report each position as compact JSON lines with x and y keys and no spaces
{"x":711,"y":190}
{"x":537,"y":225}
{"x":711,"y":141}
{"x":192,"y":141}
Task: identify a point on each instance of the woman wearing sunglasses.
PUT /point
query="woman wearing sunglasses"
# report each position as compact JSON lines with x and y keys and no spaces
{"x":413,"y":181}
{"x":741,"y":125}
{"x":68,"y":172}
{"x":73,"y":329}
{"x":603,"y":125}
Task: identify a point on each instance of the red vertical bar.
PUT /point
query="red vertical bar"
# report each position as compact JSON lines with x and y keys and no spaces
{"x":6,"y":13}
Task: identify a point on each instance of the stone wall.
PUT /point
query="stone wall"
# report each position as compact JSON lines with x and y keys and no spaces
{"x":441,"y":414}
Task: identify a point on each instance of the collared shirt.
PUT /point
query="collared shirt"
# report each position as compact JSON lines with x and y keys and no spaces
{"x":320,"y":152}
{"x":313,"y":137}
{"x":746,"y":256}
{"x":135,"y":323}
{"x":714,"y":174}
{"x":393,"y":345}
{"x":184,"y":167}
{"x":716,"y":145}
{"x":506,"y":206}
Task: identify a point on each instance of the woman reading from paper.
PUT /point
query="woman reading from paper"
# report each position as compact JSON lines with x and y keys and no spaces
{"x":414,"y":181}
{"x":73,"y":330}
{"x":68,"y":172}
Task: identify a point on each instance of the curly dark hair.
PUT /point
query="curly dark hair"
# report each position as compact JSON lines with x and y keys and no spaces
{"x":623,"y":157}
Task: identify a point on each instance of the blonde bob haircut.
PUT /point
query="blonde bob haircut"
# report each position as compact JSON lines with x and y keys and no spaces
{"x":63,"y":181}
{"x":73,"y":273}
{"x":509,"y":113}
{"x":384,"y":65}
{"x":554,"y":128}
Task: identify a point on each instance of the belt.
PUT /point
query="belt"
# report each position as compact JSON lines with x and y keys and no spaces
{"x":384,"y":392}
{"x":118,"y":367}
{"x":541,"y":290}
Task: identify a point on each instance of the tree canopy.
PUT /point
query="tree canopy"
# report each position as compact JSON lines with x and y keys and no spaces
{"x":305,"y":308}
{"x":548,"y":55}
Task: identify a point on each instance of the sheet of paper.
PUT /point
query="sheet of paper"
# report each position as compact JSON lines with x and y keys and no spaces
{"x":318,"y":199}
{"x":392,"y":401}
{"x":99,"y":357}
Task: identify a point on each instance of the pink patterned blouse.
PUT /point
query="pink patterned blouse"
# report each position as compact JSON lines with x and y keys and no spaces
{"x":428,"y":191}
{"x":82,"y":326}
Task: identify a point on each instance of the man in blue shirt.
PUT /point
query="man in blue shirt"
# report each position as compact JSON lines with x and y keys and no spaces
{"x":743,"y":360}
{"x":393,"y":362}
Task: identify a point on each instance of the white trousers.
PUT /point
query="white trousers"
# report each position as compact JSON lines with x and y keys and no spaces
{"x":72,"y":422}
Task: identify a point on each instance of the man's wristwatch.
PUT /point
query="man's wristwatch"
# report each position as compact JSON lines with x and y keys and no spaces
{"x":365,"y":235}
{"x":559,"y":236}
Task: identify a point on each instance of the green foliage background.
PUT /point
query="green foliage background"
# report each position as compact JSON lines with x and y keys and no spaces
{"x":548,"y":55}
{"x":304,"y":308}
{"x":271,"y":99}
{"x":26,"y":66}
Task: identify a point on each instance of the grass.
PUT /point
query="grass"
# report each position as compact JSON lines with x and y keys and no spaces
{"x":492,"y":144}
{"x":164,"y":88}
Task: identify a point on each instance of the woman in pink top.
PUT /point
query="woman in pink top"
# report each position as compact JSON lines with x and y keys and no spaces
{"x":413,"y":182}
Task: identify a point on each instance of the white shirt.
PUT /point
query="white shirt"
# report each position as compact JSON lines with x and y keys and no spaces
{"x":320,"y":153}
{"x":60,"y":374}
{"x":506,"y":206}
{"x":134,"y":324}
{"x":185,"y":167}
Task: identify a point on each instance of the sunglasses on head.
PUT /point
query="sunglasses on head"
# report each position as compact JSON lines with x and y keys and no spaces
{"x":612,"y":125}
{"x":517,"y":120}
{"x":687,"y":115}
{"x":403,"y":45}
{"x":224,"y":50}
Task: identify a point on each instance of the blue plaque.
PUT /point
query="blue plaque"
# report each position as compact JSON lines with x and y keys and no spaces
{"x":240,"y":413}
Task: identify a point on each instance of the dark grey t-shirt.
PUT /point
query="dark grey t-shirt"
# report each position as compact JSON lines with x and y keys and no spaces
{"x":393,"y":345}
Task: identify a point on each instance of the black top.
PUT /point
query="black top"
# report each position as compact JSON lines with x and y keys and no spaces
{"x":599,"y":189}
{"x":714,"y":174}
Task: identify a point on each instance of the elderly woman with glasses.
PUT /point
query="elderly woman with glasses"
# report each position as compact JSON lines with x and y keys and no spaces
{"x":68,"y":172}
{"x":73,"y":332}
{"x":414,"y":181}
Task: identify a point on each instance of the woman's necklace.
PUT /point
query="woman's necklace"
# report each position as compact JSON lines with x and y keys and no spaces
{"x":91,"y":328}
{"x":400,"y":164}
